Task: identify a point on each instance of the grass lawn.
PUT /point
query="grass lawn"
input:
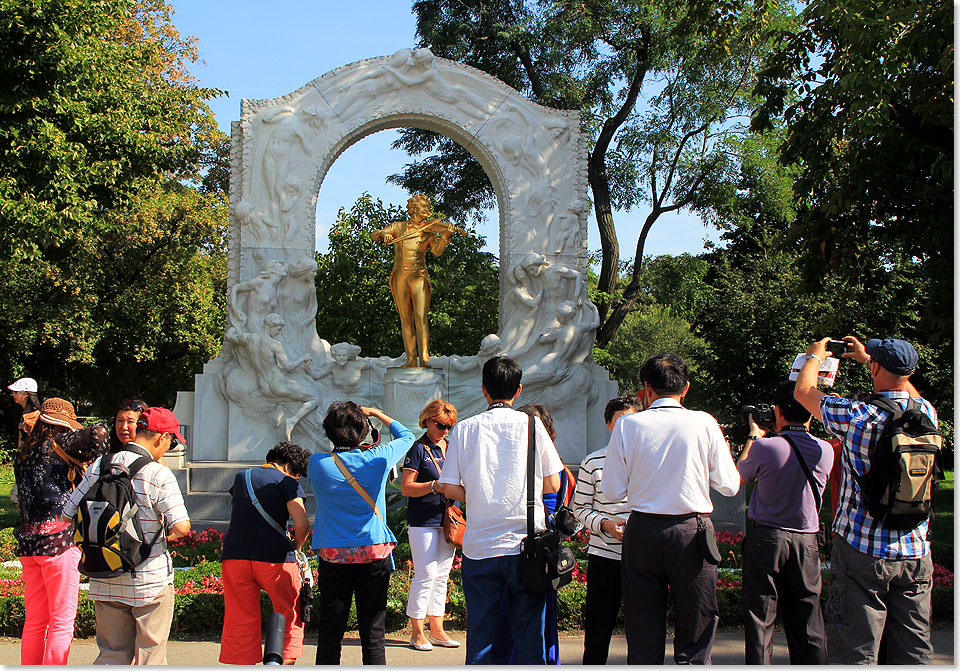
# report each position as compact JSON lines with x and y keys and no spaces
{"x":8,"y":510}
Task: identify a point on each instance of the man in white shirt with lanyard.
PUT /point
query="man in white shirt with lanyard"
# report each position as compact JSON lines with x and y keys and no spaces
{"x":665,"y":460}
{"x":486,"y":466}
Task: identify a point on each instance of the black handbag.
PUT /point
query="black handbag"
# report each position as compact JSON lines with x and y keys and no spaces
{"x":708,"y":543}
{"x":545,"y":563}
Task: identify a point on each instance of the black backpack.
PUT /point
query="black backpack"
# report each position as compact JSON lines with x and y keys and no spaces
{"x":905,"y":464}
{"x":107,"y":530}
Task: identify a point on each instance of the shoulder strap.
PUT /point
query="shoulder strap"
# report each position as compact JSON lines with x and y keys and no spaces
{"x":887,"y":404}
{"x":356,"y":485}
{"x":531,"y":444}
{"x":432,"y":458}
{"x":247,"y":476}
{"x":806,"y":471}
{"x":74,"y":464}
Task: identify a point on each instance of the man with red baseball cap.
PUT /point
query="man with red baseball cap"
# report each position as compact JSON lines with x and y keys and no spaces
{"x":134,"y":610}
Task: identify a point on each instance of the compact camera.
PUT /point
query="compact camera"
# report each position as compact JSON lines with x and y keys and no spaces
{"x":762,"y":414}
{"x":838,"y":347}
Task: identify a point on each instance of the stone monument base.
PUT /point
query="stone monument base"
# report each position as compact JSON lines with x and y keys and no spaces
{"x":407,"y":390}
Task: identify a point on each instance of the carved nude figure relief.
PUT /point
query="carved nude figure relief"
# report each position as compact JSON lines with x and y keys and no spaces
{"x":270,"y":367}
{"x":254,"y":299}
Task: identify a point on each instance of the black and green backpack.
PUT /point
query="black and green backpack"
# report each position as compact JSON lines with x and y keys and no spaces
{"x":905,"y":464}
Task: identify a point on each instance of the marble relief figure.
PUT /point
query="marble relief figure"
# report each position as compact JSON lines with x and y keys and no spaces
{"x":270,"y":367}
{"x":521,"y":304}
{"x":254,"y":299}
{"x":298,"y":304}
{"x":281,"y":184}
{"x":345,"y":371}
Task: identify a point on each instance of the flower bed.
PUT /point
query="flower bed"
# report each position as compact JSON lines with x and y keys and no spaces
{"x":198,"y":587}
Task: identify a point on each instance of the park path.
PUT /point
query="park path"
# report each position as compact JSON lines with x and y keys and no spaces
{"x":728,"y":650}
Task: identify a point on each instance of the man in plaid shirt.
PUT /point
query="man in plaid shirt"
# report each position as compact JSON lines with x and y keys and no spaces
{"x":879,"y":574}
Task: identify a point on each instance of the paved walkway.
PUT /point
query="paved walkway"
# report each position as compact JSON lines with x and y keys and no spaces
{"x":728,"y":649}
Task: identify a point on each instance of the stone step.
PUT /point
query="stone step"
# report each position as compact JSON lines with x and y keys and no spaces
{"x":216,"y":477}
{"x":209,"y":506}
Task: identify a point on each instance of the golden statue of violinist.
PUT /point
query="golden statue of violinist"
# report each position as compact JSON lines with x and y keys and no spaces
{"x":409,"y":281}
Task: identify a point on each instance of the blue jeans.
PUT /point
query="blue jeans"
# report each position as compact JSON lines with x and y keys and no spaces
{"x":484,"y":582}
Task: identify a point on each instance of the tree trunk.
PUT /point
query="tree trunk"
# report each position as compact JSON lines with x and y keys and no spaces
{"x":609,"y":245}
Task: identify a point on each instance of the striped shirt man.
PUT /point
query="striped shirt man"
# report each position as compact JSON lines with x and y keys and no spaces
{"x":592,"y":510}
{"x":159,"y":498}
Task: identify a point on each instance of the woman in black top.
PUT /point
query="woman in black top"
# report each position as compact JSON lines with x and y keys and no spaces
{"x":45,"y":468}
{"x":432,"y":555}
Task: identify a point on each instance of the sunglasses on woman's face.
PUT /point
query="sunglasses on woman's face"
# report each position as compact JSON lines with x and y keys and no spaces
{"x":443,"y":427}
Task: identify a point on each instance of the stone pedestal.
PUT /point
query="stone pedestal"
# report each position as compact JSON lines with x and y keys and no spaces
{"x":729,"y":512}
{"x":407,"y":390}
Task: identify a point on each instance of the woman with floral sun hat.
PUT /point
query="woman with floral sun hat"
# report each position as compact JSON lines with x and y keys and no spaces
{"x":46,"y":467}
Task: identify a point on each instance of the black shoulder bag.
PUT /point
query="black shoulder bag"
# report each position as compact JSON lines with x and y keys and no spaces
{"x":821,"y":532}
{"x":545,"y":563}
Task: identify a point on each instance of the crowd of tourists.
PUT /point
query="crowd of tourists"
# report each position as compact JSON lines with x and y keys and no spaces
{"x":99,"y":500}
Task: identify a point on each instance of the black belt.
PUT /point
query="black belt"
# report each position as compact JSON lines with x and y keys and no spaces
{"x":675,"y":518}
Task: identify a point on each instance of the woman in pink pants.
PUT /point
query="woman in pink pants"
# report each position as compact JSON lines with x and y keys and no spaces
{"x":45,"y":466}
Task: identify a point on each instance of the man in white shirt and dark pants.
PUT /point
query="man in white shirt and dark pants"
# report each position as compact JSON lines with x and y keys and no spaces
{"x":665,"y":460}
{"x":486,"y":466}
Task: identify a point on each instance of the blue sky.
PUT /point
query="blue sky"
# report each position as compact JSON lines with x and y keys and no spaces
{"x":255,"y":50}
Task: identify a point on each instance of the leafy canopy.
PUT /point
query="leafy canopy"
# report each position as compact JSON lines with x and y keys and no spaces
{"x":663,"y":89}
{"x":866,"y":92}
{"x":96,"y":99}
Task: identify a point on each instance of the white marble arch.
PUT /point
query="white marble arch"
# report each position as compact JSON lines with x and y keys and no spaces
{"x":281,"y":150}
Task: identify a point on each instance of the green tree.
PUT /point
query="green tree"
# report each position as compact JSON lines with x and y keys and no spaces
{"x":354,"y":298}
{"x":866,"y":91}
{"x":96,"y":99}
{"x":111,"y":219}
{"x":661,"y":87}
{"x":650,"y":330}
{"x":136,"y":311}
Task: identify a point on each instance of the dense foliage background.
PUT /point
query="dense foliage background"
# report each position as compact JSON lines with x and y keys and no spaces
{"x":820,"y":144}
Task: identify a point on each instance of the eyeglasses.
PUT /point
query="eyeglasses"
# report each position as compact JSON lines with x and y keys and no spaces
{"x":131,"y":404}
{"x":442,"y":427}
{"x":174,"y":443}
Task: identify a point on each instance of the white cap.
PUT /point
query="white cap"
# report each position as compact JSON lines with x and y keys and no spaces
{"x":27,"y":384}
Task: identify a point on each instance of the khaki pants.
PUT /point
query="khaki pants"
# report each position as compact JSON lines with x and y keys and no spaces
{"x":134,"y":634}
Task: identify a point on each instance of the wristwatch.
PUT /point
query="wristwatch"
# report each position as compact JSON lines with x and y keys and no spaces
{"x":754,"y":437}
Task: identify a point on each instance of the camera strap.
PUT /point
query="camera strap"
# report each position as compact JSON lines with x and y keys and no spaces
{"x":806,"y":470}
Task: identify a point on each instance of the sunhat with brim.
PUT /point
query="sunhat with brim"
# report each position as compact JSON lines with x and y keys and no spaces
{"x":27,"y":384}
{"x":59,"y":412}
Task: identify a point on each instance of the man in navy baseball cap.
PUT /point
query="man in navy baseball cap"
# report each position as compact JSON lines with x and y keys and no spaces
{"x":897,"y":356}
{"x":883,"y":571}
